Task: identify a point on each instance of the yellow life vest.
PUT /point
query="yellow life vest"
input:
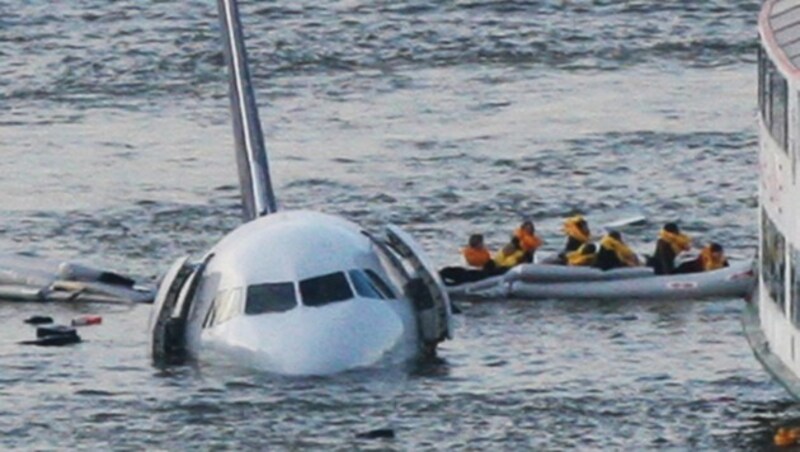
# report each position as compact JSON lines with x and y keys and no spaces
{"x":508,"y":260}
{"x":579,"y":258}
{"x":623,"y":252}
{"x":679,"y":242}
{"x":572,"y":229}
{"x":709,"y":262}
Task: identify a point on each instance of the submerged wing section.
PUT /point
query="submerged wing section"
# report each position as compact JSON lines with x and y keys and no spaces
{"x":258,"y":198}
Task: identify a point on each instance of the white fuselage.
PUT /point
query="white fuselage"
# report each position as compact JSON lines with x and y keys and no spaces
{"x":302,"y":293}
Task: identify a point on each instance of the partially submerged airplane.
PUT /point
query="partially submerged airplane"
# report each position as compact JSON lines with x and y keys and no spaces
{"x":295,"y":292}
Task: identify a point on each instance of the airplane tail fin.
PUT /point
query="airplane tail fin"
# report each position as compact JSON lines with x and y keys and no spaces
{"x":258,"y":197}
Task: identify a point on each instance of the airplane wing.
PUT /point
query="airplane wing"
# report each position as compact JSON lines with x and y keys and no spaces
{"x":24,"y":278}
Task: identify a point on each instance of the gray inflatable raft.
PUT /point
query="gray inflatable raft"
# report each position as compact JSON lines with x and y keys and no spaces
{"x":24,"y":278}
{"x":538,"y":281}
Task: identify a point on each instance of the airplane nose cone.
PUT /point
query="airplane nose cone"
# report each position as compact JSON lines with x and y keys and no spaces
{"x":320,"y":340}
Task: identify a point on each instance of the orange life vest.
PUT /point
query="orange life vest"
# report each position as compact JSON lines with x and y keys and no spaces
{"x":476,"y":257}
{"x":528,"y":242}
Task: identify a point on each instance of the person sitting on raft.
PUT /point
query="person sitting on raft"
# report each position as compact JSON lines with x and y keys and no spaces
{"x":478,"y":257}
{"x":577,"y":231}
{"x":475,"y":253}
{"x":509,"y":256}
{"x":711,"y":258}
{"x":614,"y":253}
{"x":528,"y":239}
{"x":585,"y":256}
{"x":671,"y":242}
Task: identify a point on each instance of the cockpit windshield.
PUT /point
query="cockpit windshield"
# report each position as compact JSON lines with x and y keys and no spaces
{"x":322,"y":290}
{"x":225,"y":306}
{"x":369,"y":285}
{"x":270,"y":297}
{"x":382,"y":285}
{"x":317,"y":291}
{"x":363,"y":285}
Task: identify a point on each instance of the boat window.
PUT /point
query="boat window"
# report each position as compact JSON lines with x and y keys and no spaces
{"x":270,"y":297}
{"x":778,"y":91}
{"x":773,"y":99}
{"x":382,"y":285}
{"x":322,"y":290}
{"x":363,"y":285}
{"x":773,"y":260}
{"x":226,"y":305}
{"x":763,"y":85}
{"x":795,"y":287}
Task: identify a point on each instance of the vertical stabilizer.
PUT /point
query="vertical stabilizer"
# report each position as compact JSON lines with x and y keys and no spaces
{"x":258,"y":198}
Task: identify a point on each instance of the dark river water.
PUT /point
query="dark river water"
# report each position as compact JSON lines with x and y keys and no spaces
{"x":446,"y":118}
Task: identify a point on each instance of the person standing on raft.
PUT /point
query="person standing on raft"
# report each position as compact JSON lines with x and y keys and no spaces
{"x":711,"y":258}
{"x":671,"y":242}
{"x":614,"y":253}
{"x":528,"y":240}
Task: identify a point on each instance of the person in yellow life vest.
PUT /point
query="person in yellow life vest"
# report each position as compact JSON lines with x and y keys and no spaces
{"x":510,"y":255}
{"x":711,"y":258}
{"x":671,"y":242}
{"x":577,"y":231}
{"x":585,"y":256}
{"x":528,"y":240}
{"x":478,"y":258}
{"x":614,"y":253}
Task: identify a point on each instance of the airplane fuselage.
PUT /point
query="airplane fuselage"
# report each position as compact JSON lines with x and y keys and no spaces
{"x":301,"y":292}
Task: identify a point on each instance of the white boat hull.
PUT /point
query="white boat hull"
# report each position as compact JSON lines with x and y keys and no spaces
{"x":751,"y":323}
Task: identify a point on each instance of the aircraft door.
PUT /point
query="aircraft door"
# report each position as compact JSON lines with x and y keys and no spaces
{"x":426,"y":290}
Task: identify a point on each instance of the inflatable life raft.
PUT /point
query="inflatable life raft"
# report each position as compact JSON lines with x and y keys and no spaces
{"x":24,"y":278}
{"x":546,"y":281}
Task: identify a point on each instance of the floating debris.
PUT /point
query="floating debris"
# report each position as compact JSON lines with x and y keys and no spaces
{"x":377,"y":434}
{"x":55,"y":335}
{"x":87,"y":320}
{"x":39,"y":320}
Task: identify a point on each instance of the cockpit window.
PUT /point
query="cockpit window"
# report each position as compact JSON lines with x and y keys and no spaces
{"x":270,"y":297}
{"x":225,"y":306}
{"x":321,"y":290}
{"x":363,"y":285}
{"x":382,"y":286}
{"x":394,"y":268}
